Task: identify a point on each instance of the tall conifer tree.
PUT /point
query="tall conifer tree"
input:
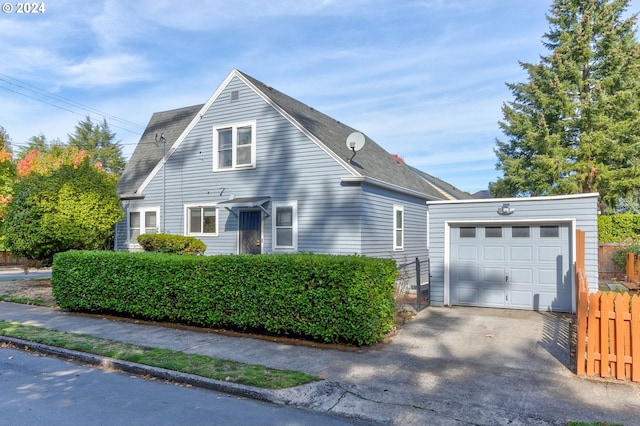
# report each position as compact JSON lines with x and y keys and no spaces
{"x":575,"y":125}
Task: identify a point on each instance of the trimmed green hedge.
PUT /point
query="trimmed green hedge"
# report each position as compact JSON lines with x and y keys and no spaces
{"x":167,"y":243}
{"x":617,"y":228}
{"x":322,"y":297}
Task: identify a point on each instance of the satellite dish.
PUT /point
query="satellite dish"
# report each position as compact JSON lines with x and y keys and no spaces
{"x":355,"y":141}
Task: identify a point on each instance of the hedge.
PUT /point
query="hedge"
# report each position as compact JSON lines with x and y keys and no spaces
{"x":323,"y":297}
{"x":167,"y":243}
{"x":618,"y":228}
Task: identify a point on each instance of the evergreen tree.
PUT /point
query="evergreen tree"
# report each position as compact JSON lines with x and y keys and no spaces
{"x":99,"y":141}
{"x":5,"y":140}
{"x":38,"y":143}
{"x":575,"y":125}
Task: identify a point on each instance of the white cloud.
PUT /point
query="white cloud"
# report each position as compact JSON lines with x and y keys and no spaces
{"x":107,"y":71}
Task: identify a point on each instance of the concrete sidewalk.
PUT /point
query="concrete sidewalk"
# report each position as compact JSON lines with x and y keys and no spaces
{"x":447,"y":366}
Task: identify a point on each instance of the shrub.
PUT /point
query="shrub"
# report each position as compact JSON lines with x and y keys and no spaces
{"x":618,"y":228}
{"x":177,"y":244}
{"x":322,"y":297}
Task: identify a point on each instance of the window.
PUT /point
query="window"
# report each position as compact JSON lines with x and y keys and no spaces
{"x":467,"y":232}
{"x":520,"y":231}
{"x":235,"y":146}
{"x":547,"y":231}
{"x":493,"y":232}
{"x":201,"y":220}
{"x":142,"y":222}
{"x":285,"y":225}
{"x":398,"y":228}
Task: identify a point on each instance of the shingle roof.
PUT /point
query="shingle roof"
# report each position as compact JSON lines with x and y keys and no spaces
{"x":371,"y":162}
{"x":449,"y":191}
{"x":149,"y":152}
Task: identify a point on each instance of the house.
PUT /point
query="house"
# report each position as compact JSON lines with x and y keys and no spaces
{"x":255,"y":171}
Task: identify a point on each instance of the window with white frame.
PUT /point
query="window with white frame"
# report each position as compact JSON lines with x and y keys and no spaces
{"x":234,"y":146}
{"x":285,"y":225}
{"x":398,"y":228}
{"x":142,"y":221}
{"x":201,"y":220}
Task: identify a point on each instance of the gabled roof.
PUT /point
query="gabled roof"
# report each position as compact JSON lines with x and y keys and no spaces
{"x":149,"y":151}
{"x":372,"y":162}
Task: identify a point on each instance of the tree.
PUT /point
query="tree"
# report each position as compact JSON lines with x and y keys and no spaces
{"x":98,"y":141}
{"x":38,"y":143}
{"x":575,"y":125}
{"x":5,"y":139}
{"x":71,"y":207}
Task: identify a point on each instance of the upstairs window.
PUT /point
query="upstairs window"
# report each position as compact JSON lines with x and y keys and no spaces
{"x":234,"y":146}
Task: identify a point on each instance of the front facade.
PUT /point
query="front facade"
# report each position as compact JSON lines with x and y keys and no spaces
{"x":515,"y":253}
{"x":255,"y":171}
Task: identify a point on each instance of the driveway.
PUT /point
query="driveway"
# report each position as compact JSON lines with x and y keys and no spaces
{"x":13,"y":274}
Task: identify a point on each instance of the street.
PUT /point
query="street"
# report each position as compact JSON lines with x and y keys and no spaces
{"x":38,"y":390}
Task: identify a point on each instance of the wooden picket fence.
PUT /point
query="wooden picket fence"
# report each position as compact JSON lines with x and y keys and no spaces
{"x":608,"y":337}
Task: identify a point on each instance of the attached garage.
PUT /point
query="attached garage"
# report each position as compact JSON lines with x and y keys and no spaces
{"x":516,"y":253}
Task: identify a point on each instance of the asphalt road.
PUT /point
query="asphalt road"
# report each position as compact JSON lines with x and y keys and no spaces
{"x":14,"y":274}
{"x":39,"y":390}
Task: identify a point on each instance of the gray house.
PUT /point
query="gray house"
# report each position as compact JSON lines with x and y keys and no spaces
{"x":256,"y":171}
{"x":515,"y":253}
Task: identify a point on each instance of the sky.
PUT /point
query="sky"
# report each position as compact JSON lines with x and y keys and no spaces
{"x":425,"y":79}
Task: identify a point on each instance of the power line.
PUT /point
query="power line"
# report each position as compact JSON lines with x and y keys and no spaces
{"x":55,"y":100}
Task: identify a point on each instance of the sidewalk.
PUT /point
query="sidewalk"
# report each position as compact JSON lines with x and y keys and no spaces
{"x":447,"y":366}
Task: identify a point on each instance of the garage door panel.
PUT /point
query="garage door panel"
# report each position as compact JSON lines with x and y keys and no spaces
{"x":521,"y":299}
{"x":535,"y":260}
{"x":549,"y":253}
{"x":468,"y":253}
{"x":521,"y":276}
{"x":522,"y":254}
{"x":493,"y":253}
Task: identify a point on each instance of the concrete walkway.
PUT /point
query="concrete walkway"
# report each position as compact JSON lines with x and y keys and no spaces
{"x":447,"y":366}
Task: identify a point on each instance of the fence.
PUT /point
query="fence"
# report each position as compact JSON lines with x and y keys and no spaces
{"x":607,"y":268}
{"x":608,"y":337}
{"x":418,"y":271}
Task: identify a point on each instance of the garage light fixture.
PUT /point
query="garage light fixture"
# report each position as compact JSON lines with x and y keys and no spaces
{"x":506,"y":209}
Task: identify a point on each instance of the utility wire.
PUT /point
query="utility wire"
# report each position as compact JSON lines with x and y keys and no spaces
{"x":54,"y":100}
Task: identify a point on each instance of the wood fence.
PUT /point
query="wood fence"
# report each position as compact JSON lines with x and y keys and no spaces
{"x":608,"y":340}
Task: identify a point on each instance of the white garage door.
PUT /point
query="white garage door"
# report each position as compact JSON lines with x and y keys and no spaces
{"x":515,"y":266}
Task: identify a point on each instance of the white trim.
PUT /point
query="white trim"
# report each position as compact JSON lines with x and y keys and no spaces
{"x":516,"y":199}
{"x":234,"y":139}
{"x":294,"y":225}
{"x":398,"y":247}
{"x":187,"y":217}
{"x":447,"y":249}
{"x":142,"y":211}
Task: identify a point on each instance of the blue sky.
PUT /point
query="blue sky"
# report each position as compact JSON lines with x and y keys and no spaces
{"x":425,"y":79}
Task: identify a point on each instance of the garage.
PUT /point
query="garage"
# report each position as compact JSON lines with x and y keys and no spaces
{"x":511,"y":253}
{"x":511,"y":265}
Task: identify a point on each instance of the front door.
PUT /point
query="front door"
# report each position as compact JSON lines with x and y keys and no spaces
{"x":250,"y":229}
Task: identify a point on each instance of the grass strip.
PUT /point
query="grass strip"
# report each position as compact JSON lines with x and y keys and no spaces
{"x":201,"y":365}
{"x":24,"y":300}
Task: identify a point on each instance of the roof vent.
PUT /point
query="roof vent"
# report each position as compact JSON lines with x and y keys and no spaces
{"x":234,"y":95}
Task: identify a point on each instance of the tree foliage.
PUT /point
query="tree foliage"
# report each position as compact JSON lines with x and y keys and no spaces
{"x":72,"y":207}
{"x":99,"y":141}
{"x":574,"y":126}
{"x":5,"y":139}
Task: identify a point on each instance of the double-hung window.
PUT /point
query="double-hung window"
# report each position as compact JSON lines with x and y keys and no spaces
{"x":285,"y":225}
{"x":234,"y":146}
{"x":142,"y":221}
{"x":201,"y":220}
{"x":398,"y":228}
